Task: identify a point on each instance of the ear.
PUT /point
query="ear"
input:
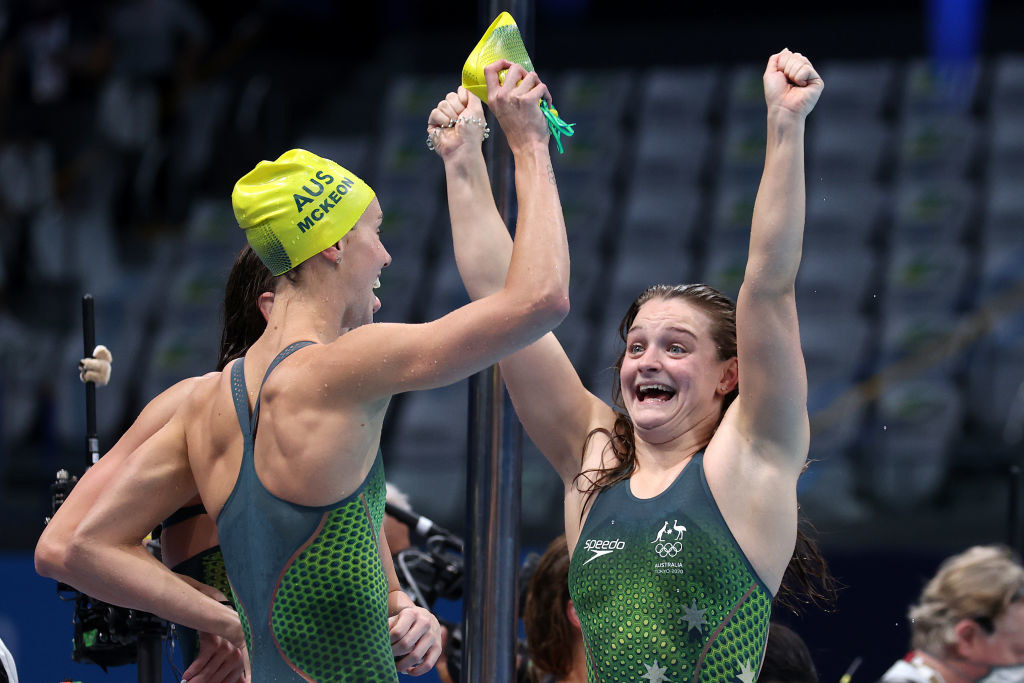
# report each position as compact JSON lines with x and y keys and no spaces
{"x":730,"y":376}
{"x":265,"y":301}
{"x":570,"y":614}
{"x":333,"y":252}
{"x":969,"y":636}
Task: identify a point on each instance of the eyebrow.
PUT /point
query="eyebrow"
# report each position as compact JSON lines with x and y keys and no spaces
{"x":673,"y":328}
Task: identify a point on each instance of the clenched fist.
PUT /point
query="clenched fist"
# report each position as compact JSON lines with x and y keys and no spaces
{"x":791,"y":84}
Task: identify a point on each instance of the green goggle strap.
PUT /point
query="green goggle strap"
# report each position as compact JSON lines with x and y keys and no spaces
{"x":556,"y":125}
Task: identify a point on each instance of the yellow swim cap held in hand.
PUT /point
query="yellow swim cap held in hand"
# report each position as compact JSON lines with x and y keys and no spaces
{"x":297,"y":206}
{"x":502,"y":40}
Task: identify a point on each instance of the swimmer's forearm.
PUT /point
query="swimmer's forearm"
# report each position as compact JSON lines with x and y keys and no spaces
{"x":129,"y":576}
{"x":397,"y":599}
{"x":776,"y":234}
{"x":540,"y":253}
{"x":483,"y":247}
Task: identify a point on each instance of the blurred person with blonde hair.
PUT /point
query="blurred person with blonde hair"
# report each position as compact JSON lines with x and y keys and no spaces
{"x":968,"y":624}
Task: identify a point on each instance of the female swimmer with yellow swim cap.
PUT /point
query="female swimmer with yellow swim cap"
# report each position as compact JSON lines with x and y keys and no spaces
{"x":284,"y":449}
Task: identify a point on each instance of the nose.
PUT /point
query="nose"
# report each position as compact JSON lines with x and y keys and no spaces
{"x":649,"y":361}
{"x":387,"y":257}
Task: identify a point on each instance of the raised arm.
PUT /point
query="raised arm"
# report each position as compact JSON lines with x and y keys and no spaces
{"x":483,"y":247}
{"x":533,"y":299}
{"x":51,"y":549}
{"x":551,"y":401}
{"x":106,"y":560}
{"x":772,"y":404}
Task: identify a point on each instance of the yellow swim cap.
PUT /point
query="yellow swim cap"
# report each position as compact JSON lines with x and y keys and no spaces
{"x":501,"y":40}
{"x":297,"y":206}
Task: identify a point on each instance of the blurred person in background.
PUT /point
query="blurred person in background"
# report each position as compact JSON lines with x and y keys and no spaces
{"x":315,"y":507}
{"x":553,"y":634}
{"x":786,"y":658}
{"x":681,"y":513}
{"x":188,"y":539}
{"x":968,"y":624}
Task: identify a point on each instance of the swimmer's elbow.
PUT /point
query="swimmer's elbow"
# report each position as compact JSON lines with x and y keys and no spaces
{"x":50,"y":557}
{"x":552,"y":307}
{"x":560,"y":306}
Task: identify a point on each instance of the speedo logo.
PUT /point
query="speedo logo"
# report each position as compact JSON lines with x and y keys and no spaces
{"x":601,"y":547}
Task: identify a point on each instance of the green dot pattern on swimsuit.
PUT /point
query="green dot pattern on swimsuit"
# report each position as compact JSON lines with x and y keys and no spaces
{"x":244,"y":618}
{"x":216,"y":574}
{"x":375,"y":496}
{"x":633,"y":608}
{"x":329,"y":615}
{"x":742,"y":641}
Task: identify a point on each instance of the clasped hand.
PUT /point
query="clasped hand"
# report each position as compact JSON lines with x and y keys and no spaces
{"x":415,"y":640}
{"x":458,"y":119}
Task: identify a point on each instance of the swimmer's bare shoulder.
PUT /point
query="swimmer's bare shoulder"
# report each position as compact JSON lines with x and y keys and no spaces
{"x":212,"y":436}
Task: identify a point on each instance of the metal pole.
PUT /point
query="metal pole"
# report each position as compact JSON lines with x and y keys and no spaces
{"x":92,"y":442}
{"x":494,"y":469}
{"x":494,"y":473}
{"x":150,"y":665}
{"x":148,"y":646}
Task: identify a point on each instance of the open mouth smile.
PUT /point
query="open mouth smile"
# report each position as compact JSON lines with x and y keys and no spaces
{"x":654,"y":393}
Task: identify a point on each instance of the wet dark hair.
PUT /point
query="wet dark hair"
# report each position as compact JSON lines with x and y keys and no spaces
{"x":807,"y":579}
{"x":786,"y":658}
{"x":549,"y":634}
{"x":243,"y":320}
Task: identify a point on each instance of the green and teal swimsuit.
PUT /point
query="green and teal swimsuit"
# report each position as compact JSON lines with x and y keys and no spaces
{"x":663,"y":591}
{"x":308,"y":581}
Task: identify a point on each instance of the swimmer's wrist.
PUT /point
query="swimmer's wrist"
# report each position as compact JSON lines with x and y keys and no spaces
{"x":780,"y":118}
{"x":398,"y":600}
{"x":463,"y":156}
{"x":532,"y":148}
{"x":229,"y":626}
